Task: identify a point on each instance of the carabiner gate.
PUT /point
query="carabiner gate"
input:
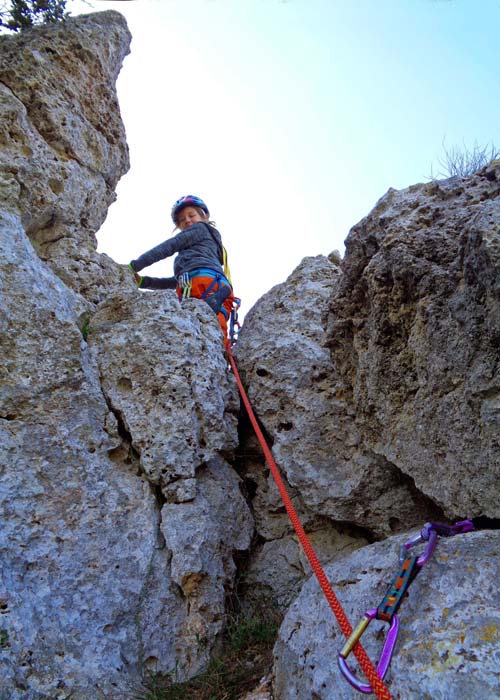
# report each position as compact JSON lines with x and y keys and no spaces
{"x":385,"y":657}
{"x":428,"y":534}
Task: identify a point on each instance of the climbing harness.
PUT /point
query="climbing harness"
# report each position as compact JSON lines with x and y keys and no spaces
{"x":215,"y":294}
{"x":386,"y":611}
{"x":376,"y":682}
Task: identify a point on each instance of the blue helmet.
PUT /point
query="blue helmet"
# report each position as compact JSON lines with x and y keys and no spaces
{"x":189,"y":200}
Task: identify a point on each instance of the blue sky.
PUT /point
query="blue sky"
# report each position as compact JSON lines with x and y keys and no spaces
{"x":291,"y":118}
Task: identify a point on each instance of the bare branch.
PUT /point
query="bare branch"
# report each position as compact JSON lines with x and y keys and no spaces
{"x":464,"y":161}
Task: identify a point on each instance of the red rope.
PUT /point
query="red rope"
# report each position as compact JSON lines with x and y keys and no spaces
{"x":378,"y":685}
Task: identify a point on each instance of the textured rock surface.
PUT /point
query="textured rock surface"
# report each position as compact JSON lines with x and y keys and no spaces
{"x":119,"y":514}
{"x":100,"y":577}
{"x":448,"y":646}
{"x":63,"y":146}
{"x":378,"y":387}
{"x":415,"y":337}
{"x":154,"y":356}
{"x":301,"y":401}
{"x":165,"y":377}
{"x":70,"y":590}
{"x":277,"y":566}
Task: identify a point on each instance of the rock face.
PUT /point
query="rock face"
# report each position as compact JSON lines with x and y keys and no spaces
{"x":378,"y":386}
{"x":124,"y":458}
{"x":448,"y":644}
{"x":415,"y":332}
{"x":303,"y":403}
{"x":119,"y":512}
{"x":63,"y":146}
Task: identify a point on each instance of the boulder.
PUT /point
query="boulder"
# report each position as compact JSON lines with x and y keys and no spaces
{"x":301,"y":400}
{"x":414,"y":333}
{"x":116,"y":551}
{"x":449,"y":624}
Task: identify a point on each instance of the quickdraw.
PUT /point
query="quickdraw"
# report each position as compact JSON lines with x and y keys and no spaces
{"x":234,"y":325}
{"x":386,"y":611}
{"x":185,"y":283}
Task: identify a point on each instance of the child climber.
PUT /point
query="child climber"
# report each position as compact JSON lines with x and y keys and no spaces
{"x":199,"y":265}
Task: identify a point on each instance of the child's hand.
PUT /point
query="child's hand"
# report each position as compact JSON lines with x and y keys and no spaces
{"x":137,"y":276}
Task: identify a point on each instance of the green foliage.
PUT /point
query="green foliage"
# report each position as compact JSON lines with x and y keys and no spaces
{"x":4,"y":639}
{"x":17,"y":15}
{"x":85,"y":327}
{"x":244,"y":657}
{"x":243,"y":633}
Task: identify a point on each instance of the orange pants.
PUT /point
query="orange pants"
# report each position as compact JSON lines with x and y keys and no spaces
{"x":199,"y":286}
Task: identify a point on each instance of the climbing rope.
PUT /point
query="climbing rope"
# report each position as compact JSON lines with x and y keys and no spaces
{"x":377,"y":684}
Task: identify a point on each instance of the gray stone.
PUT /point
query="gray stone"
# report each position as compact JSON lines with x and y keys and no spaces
{"x":303,"y":404}
{"x":414,"y":331}
{"x":71,"y":591}
{"x":163,"y":371}
{"x":105,"y":474}
{"x":449,"y":624}
{"x":91,"y":596}
{"x":63,"y":142}
{"x":278,"y":568}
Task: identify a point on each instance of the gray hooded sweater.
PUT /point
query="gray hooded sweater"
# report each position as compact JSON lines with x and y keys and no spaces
{"x":199,"y":246}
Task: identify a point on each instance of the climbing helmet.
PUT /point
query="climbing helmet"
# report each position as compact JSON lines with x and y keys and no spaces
{"x":189,"y":200}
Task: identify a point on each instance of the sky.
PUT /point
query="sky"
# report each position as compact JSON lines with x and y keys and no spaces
{"x":291,"y":118}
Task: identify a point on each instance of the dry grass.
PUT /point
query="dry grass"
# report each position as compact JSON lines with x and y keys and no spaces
{"x":244,"y":657}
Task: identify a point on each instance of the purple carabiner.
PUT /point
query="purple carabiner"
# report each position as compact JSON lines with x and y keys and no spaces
{"x":385,"y":656}
{"x":428,"y":534}
{"x":459,"y":528}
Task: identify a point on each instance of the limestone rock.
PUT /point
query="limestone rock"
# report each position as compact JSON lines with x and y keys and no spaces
{"x":71,"y":591}
{"x":301,"y":400}
{"x":277,"y":567}
{"x":63,"y":141}
{"x":98,"y":583}
{"x":449,"y":624}
{"x":414,"y":331}
{"x":115,"y":426}
{"x":164,"y":373}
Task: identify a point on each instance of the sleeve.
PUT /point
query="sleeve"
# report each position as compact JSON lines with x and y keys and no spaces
{"x":184,"y":239}
{"x":158,"y":283}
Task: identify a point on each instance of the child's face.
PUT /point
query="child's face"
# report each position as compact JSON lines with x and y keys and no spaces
{"x":188,"y":217}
